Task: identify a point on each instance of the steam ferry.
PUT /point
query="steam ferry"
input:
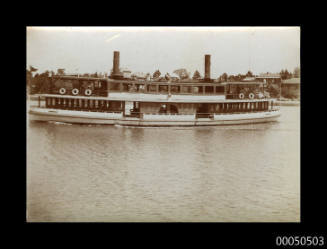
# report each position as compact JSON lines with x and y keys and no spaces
{"x":118,"y":100}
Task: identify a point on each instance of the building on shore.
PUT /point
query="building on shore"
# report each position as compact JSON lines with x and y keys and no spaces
{"x":274,"y":78}
{"x":291,"y":88}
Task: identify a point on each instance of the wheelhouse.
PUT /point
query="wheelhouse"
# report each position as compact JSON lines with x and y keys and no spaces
{"x":245,"y":90}
{"x":78,"y":86}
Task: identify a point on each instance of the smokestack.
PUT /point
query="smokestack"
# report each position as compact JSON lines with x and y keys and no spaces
{"x":115,"y":69}
{"x":207,"y":67}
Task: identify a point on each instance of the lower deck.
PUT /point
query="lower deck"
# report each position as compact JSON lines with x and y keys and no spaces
{"x":138,"y":108}
{"x":135,"y":113}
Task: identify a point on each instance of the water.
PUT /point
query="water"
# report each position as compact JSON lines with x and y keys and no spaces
{"x":246,"y":173}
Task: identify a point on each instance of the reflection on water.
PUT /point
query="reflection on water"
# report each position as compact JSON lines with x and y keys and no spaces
{"x":112,"y":173}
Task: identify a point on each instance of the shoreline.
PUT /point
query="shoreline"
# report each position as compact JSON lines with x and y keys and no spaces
{"x":288,"y":102}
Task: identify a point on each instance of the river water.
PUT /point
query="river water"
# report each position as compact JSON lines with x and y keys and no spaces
{"x":238,"y":173}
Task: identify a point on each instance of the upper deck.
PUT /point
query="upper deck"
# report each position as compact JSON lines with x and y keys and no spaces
{"x":190,"y":90}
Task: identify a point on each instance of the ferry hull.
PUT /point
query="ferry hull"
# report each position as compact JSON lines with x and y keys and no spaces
{"x":42,"y":114}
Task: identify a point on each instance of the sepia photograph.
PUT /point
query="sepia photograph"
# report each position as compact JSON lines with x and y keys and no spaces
{"x":163,"y":124}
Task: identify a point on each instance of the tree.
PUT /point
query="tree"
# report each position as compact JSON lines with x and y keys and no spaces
{"x":284,"y":74}
{"x":33,"y":69}
{"x":249,"y":74}
{"x":231,"y":78}
{"x":296,"y":72}
{"x":156,"y":74}
{"x":167,"y":76}
{"x":223,"y":77}
{"x":60,"y":71}
{"x":95,"y":75}
{"x":29,"y":77}
{"x":196,"y":75}
{"x":182,"y":73}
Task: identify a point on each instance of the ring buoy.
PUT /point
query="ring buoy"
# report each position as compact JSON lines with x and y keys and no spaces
{"x":251,"y":95}
{"x":62,"y":91}
{"x":241,"y":95}
{"x":75,"y":91}
{"x":88,"y":92}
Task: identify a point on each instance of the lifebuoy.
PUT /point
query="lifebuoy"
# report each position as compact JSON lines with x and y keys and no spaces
{"x":62,"y":91}
{"x":251,"y":95}
{"x":241,"y":95}
{"x":75,"y":91}
{"x":88,"y":92}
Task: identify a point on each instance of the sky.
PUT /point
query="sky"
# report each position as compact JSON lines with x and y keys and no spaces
{"x":233,"y":50}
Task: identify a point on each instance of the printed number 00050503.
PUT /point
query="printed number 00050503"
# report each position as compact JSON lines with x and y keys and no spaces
{"x":300,"y":241}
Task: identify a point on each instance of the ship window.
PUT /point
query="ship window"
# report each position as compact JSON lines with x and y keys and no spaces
{"x":175,"y":89}
{"x":220,"y":89}
{"x":173,"y":109}
{"x":196,"y":89}
{"x":140,"y":88}
{"x":163,"y":109}
{"x":186,"y":89}
{"x":209,"y":89}
{"x":152,"y":88}
{"x":125,"y":87}
{"x":217,"y":107}
{"x":114,"y":86}
{"x":163,"y":89}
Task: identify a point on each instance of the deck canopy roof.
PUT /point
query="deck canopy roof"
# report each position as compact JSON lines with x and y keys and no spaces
{"x":172,"y":83}
{"x":268,"y":76}
{"x":69,"y":77}
{"x":180,"y":83}
{"x":244,"y":83}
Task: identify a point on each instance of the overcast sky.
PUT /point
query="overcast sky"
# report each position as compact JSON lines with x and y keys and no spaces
{"x":233,"y":50}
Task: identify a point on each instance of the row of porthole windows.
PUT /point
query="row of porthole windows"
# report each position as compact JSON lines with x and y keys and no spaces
{"x":244,"y":106}
{"x":67,"y":103}
{"x":236,"y":107}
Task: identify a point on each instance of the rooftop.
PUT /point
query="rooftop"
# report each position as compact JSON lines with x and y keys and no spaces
{"x":292,"y":81}
{"x":268,"y":75}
